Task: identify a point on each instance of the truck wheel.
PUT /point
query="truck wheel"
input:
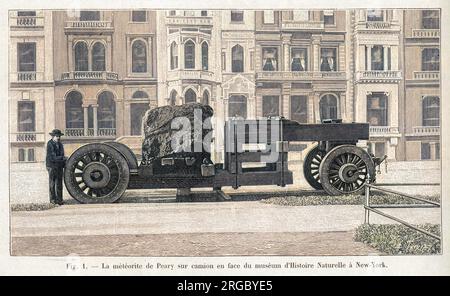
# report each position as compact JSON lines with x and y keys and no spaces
{"x":311,"y":167}
{"x":96,"y":173}
{"x":344,"y":170}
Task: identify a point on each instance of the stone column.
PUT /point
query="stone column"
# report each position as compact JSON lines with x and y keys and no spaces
{"x":94,"y":119}
{"x":285,"y":99}
{"x":317,"y":107}
{"x":342,"y":111}
{"x":432,"y":150}
{"x":286,"y":52}
{"x":369,"y":57}
{"x":316,"y":54}
{"x":85,"y":119}
{"x":385,"y":58}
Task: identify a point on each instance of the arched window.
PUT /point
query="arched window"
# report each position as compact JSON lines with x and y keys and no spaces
{"x":328,"y":107}
{"x":98,"y":57}
{"x":74,"y":110}
{"x":140,"y":95}
{"x":173,"y":98}
{"x":190,"y":96}
{"x":237,"y":57}
{"x":139,"y":57}
{"x":173,"y":56}
{"x":430,"y":111}
{"x":106,"y":113}
{"x":205,"y":98}
{"x":189,"y":55}
{"x":81,"y":57}
{"x":137,"y":112}
{"x":205,"y":56}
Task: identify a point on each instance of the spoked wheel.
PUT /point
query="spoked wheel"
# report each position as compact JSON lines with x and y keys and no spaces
{"x":311,"y":167}
{"x":96,"y":173}
{"x":344,"y":170}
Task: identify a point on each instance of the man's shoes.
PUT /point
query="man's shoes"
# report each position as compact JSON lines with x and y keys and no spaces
{"x":60,"y":203}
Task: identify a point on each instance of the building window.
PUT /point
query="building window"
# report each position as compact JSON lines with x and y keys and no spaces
{"x":430,"y":59}
{"x":205,"y":56}
{"x":224,"y":61}
{"x":377,"y":58}
{"x":26,"y":13}
{"x":189,"y":55}
{"x":172,"y":13}
{"x":139,"y":16}
{"x":299,"y":108}
{"x":237,"y":16}
{"x":299,"y":59}
{"x":139,"y":57}
{"x":438,"y":150}
{"x":300,"y":15}
{"x":89,"y":15}
{"x":137,"y":112}
{"x":377,"y":148}
{"x":74,"y":110}
{"x":31,"y":154}
{"x":21,"y":154}
{"x":328,"y":17}
{"x":26,"y":116}
{"x":377,"y":111}
{"x":270,"y":106}
{"x":237,"y":106}
{"x":328,"y":59}
{"x":106,"y":113}
{"x":430,"y":111}
{"x":173,"y":56}
{"x":26,"y":57}
{"x":205,"y":98}
{"x":430,"y":19}
{"x":375,"y":15}
{"x":328,"y":107}
{"x":237,"y":57}
{"x":98,"y":57}
{"x":269,"y":17}
{"x":190,"y":96}
{"x":139,"y":95}
{"x":425,"y":151}
{"x":270,"y":58}
{"x":81,"y":57}
{"x":204,"y":13}
{"x":173,"y":98}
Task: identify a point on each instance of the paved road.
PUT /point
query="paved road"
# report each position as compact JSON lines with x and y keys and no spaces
{"x":157,"y":229}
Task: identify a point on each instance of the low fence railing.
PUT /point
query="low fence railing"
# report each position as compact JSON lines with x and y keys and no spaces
{"x":374,"y":208}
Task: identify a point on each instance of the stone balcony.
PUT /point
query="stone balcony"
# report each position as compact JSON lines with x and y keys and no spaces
{"x":426,"y":33}
{"x":377,"y":26}
{"x":419,"y":131}
{"x":190,"y":75}
{"x":300,"y":75}
{"x":426,"y":75}
{"x":75,"y":27}
{"x":379,"y":76}
{"x":27,"y":137}
{"x":89,"y":75}
{"x":29,"y":76}
{"x":27,"y":22}
{"x":383,"y":131}
{"x":302,"y":25}
{"x":189,"y":20}
{"x":90,"y":132}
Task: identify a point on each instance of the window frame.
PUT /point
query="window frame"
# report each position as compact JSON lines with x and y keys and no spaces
{"x":241,"y":20}
{"x":25,"y":115}
{"x":191,"y":55}
{"x":298,"y":48}
{"x":271,"y":97}
{"x":20,"y":55}
{"x":336,"y":97}
{"x":382,"y":110}
{"x":232,"y":100}
{"x":426,"y":65}
{"x":427,"y":108}
{"x":132,"y":17}
{"x":301,"y":103}
{"x":146,"y":52}
{"x":276,"y":68}
{"x":234,"y":52}
{"x":336,"y":57}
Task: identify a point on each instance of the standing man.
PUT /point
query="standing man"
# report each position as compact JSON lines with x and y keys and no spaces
{"x":55,"y":162}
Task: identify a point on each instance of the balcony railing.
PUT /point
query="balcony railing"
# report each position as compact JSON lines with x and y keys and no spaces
{"x":29,"y":76}
{"x":426,"y":33}
{"x":378,"y":75}
{"x":190,"y":74}
{"x":90,"y":132}
{"x":378,"y":25}
{"x":89,"y":24}
{"x":27,"y":21}
{"x":295,"y":75}
{"x":382,"y":130}
{"x":89,"y":75}
{"x":189,"y":20}
{"x":426,"y":75}
{"x":28,"y":137}
{"x":426,"y":131}
{"x":302,"y":25}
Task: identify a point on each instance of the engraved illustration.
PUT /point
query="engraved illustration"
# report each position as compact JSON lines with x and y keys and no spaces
{"x":225,"y":132}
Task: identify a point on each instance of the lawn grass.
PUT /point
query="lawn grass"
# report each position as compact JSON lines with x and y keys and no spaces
{"x":396,"y":239}
{"x":321,"y":198}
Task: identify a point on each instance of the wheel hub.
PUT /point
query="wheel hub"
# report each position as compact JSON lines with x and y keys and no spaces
{"x":96,"y":175}
{"x":348,"y":173}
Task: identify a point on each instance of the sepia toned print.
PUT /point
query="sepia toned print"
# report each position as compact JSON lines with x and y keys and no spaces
{"x":354,"y":95}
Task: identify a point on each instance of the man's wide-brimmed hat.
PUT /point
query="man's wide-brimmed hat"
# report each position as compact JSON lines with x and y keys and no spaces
{"x":56,"y":132}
